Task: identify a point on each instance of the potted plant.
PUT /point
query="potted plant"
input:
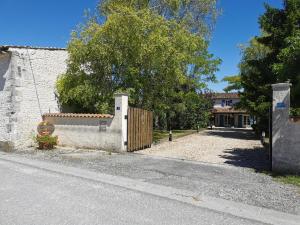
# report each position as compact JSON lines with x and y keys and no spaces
{"x":46,"y":141}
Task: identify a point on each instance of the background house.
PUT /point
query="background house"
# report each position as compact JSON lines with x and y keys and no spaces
{"x":225,"y":114}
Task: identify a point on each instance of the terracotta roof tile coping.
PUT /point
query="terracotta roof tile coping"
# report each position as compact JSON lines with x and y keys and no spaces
{"x":78,"y":115}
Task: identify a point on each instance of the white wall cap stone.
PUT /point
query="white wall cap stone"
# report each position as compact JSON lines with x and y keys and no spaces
{"x":7,"y":47}
{"x":120,"y":94}
{"x":281,"y":86}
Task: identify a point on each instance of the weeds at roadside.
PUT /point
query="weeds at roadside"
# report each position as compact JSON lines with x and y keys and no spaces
{"x":288,"y":179}
{"x":293,"y":179}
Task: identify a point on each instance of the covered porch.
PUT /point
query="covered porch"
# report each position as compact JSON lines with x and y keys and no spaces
{"x":230,"y":117}
{"x":232,"y":120}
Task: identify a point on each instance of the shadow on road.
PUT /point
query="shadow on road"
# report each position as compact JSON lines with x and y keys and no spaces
{"x":244,"y":134}
{"x":256,"y":158}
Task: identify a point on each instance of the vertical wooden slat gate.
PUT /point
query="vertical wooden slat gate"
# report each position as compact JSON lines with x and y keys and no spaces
{"x":140,"y":129}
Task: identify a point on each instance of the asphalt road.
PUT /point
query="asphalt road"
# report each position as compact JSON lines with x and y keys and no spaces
{"x":36,"y":196}
{"x":38,"y":192}
{"x":231,"y":183}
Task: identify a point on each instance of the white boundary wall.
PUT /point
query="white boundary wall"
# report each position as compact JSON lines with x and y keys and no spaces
{"x":77,"y":130}
{"x":285,"y":134}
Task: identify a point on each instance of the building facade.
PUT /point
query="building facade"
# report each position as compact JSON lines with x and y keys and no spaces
{"x":226,"y":114}
{"x":27,"y":90}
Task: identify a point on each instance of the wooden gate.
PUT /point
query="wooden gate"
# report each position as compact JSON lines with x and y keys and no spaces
{"x":140,"y":129}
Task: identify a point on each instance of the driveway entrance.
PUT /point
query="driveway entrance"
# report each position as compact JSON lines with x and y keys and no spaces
{"x":233,"y":146}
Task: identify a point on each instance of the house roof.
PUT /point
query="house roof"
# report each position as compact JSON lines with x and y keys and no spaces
{"x":223,"y":95}
{"x":228,"y":110}
{"x":6,"y":47}
{"x":78,"y":115}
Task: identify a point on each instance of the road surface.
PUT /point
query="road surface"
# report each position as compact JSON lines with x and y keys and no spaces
{"x":37,"y":192}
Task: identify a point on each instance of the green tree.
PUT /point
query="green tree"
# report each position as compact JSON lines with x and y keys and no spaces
{"x":196,"y":113}
{"x":256,"y":80}
{"x":283,"y":39}
{"x":153,"y":57}
{"x":272,"y":57}
{"x":197,"y":16}
{"x":234,"y":83}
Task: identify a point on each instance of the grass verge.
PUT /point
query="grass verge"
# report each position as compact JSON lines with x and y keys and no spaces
{"x":161,"y":135}
{"x":288,"y":179}
{"x":284,"y":178}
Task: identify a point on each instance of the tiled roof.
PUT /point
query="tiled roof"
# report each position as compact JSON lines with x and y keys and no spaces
{"x":228,"y":110}
{"x":32,"y":47}
{"x":223,"y":95}
{"x":78,"y":115}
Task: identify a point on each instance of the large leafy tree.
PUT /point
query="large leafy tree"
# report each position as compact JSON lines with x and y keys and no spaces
{"x":234,"y":83}
{"x":197,"y":16}
{"x":256,"y":80}
{"x":272,"y":57}
{"x":282,"y":28}
{"x":133,"y":47}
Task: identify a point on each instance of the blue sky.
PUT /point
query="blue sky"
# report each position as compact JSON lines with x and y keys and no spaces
{"x":49,"y":23}
{"x":237,"y":24}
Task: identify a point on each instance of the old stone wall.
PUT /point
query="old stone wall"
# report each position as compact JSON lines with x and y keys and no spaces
{"x":5,"y":99}
{"x":286,"y":133}
{"x":27,"y":78}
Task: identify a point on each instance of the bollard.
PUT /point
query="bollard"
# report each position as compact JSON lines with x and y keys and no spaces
{"x":170,"y":136}
{"x":263,"y":137}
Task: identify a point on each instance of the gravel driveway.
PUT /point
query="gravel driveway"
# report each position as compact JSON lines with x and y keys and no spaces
{"x":237,"y":147}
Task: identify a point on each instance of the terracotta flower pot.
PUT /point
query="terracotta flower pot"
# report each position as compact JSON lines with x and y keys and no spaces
{"x":45,"y":146}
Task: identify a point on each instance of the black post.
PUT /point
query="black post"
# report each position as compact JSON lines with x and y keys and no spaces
{"x":169,"y":126}
{"x":170,"y":135}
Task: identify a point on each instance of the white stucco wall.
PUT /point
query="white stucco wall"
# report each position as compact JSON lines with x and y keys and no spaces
{"x":19,"y":106}
{"x":218,"y":103}
{"x":285,"y":134}
{"x":86,"y":132}
{"x":92,"y":132}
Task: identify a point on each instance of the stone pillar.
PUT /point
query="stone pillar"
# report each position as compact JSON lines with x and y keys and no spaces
{"x":280,"y":119}
{"x":121,"y":110}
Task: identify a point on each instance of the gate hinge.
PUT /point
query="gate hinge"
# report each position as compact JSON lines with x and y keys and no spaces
{"x":125,"y":143}
{"x":126,"y":117}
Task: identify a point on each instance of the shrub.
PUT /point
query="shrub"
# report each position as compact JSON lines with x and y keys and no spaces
{"x":46,"y":141}
{"x":295,"y":111}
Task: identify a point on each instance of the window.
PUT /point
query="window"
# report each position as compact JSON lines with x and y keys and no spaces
{"x":226,"y":103}
{"x":246,"y":120}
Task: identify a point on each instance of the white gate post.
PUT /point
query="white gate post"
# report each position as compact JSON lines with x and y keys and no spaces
{"x":280,"y":119}
{"x":121,"y":110}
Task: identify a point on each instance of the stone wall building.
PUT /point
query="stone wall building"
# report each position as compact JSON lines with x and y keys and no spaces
{"x":27,"y":90}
